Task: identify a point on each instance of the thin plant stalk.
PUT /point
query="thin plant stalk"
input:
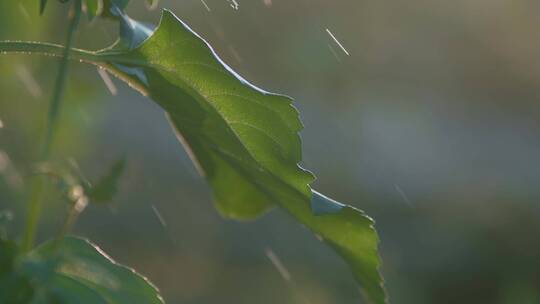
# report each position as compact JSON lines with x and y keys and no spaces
{"x":37,"y":185}
{"x":74,"y":211}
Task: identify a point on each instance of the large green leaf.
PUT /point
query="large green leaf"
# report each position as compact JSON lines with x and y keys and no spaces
{"x":244,"y":140}
{"x":73,"y":270}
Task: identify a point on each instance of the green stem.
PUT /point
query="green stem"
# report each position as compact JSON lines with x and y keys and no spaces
{"x":37,"y":184}
{"x":104,"y":59}
{"x":73,"y":213}
{"x":44,"y":48}
{"x":59,"y":88}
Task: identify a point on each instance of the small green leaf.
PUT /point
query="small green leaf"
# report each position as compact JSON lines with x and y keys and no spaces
{"x":73,"y":270}
{"x":105,"y":188}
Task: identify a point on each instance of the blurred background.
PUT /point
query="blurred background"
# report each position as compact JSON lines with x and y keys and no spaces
{"x":426,"y":117}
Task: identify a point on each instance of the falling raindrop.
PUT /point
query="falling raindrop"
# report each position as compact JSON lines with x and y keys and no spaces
{"x":234,"y":4}
{"x":159,"y":216}
{"x":28,"y":81}
{"x":108,"y":81}
{"x":24,"y":12}
{"x":205,"y":5}
{"x":337,"y":42}
{"x":285,"y":274}
{"x":333,"y":51}
{"x":403,"y":195}
{"x":235,"y":54}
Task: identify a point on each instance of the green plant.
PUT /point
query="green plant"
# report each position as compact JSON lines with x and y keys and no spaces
{"x":243,"y":140}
